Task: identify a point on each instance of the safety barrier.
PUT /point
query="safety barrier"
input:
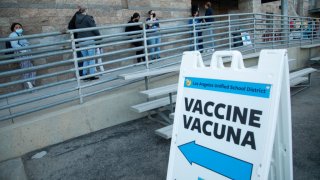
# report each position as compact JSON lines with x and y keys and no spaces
{"x":58,"y":78}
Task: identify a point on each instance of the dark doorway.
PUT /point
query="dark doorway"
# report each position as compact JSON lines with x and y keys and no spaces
{"x":218,"y":6}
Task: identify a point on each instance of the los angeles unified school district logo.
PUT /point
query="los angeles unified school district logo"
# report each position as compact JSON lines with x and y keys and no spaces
{"x":188,"y":82}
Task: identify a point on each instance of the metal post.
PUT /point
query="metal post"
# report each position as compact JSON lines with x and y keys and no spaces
{"x":254,"y":32}
{"x":171,"y":103}
{"x":194,"y":34}
{"x":9,"y":109}
{"x":301,"y":32}
{"x":312,"y":29}
{"x":273,"y":32}
{"x":230,"y":40}
{"x":75,"y":60}
{"x":146,"y":78}
{"x":284,"y":13}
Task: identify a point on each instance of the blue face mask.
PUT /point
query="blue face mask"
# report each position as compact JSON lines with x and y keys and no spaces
{"x":19,"y":31}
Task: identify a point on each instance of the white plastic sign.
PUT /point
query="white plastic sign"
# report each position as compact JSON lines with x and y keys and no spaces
{"x":225,"y":118}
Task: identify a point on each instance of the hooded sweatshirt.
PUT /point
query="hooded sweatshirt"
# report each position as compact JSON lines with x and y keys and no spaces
{"x":85,"y":21}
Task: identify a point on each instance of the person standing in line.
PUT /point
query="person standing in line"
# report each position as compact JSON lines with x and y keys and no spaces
{"x":134,"y":19}
{"x":152,"y":23}
{"x":83,"y":20}
{"x":196,"y":21}
{"x":17,"y":31}
{"x":209,"y":12}
{"x":72,"y":25}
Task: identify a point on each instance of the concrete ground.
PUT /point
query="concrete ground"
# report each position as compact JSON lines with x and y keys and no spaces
{"x":132,"y":150}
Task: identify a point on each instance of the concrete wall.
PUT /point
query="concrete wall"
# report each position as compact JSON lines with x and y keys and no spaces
{"x":40,"y":16}
{"x":71,"y":120}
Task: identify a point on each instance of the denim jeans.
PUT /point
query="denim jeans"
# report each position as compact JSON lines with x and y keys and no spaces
{"x":152,"y":41}
{"x":198,"y":44}
{"x":210,"y":39}
{"x":85,"y":53}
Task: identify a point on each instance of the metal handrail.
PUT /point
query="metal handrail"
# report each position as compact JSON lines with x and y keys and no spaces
{"x":59,"y":52}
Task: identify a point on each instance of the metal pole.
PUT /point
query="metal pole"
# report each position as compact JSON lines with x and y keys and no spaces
{"x":146,"y":78}
{"x":194,"y":34}
{"x":284,"y":13}
{"x":254,"y":32}
{"x":273,"y":32}
{"x":230,"y":41}
{"x":75,"y":60}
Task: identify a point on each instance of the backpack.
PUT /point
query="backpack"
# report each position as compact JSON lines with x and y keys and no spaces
{"x":8,"y":46}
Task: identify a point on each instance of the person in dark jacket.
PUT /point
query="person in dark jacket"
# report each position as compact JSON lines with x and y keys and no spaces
{"x":196,"y":21}
{"x":134,"y":19}
{"x":82,"y":20}
{"x":72,"y":25}
{"x":209,"y":12}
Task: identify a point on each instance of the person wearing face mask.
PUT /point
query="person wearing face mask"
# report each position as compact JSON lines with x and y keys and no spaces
{"x":153,"y":24}
{"x":208,"y":20}
{"x":196,"y":21}
{"x":82,"y":20}
{"x":134,"y":19}
{"x":17,"y":30}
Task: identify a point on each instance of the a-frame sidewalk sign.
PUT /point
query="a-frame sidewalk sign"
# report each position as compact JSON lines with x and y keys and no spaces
{"x":232,"y":122}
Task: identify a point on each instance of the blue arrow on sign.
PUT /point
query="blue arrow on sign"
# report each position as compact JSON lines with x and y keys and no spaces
{"x":215,"y":161}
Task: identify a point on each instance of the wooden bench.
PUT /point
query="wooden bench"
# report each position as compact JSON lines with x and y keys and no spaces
{"x":301,"y":78}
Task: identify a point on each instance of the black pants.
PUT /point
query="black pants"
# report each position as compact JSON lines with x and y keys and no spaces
{"x":80,"y":64}
{"x":138,"y":44}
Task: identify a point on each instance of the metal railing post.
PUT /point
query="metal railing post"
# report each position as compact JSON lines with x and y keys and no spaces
{"x":254,"y":32}
{"x":312,"y":29}
{"x":194,"y":34}
{"x":273,"y":31}
{"x":75,"y":61}
{"x":230,"y":40}
{"x":301,"y":32}
{"x":288,"y":31}
{"x":145,"y":43}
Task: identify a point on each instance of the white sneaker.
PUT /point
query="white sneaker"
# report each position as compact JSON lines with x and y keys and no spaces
{"x":29,"y":84}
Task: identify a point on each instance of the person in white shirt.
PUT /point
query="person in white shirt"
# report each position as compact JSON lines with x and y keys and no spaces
{"x":17,"y":30}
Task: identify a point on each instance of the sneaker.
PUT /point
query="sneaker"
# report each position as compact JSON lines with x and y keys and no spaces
{"x":29,"y":85}
{"x":94,"y":78}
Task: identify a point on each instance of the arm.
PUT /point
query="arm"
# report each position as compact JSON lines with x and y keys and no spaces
{"x":92,"y":23}
{"x":72,"y":22}
{"x":157,"y":23}
{"x":14,"y":43}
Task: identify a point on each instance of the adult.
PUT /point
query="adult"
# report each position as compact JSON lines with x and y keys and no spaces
{"x":17,"y":31}
{"x":135,"y":19}
{"x":83,"y":20}
{"x":209,"y":20}
{"x":72,"y":25}
{"x":196,"y":21}
{"x":153,"y":24}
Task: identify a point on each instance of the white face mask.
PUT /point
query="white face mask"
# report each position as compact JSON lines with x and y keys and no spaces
{"x":19,"y":31}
